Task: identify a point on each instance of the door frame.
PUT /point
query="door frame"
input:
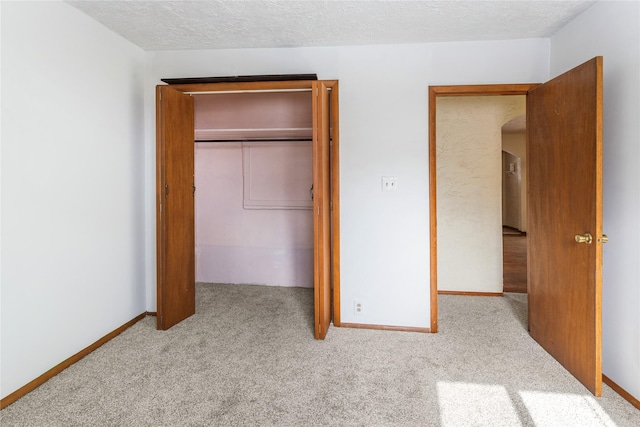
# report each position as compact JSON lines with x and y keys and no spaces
{"x":283,"y":86}
{"x":441,"y":91}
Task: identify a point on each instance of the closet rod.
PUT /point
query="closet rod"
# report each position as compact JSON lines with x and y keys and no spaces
{"x":220,"y":92}
{"x":257,"y":140}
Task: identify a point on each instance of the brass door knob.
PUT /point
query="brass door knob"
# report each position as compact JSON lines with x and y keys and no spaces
{"x":584,"y":238}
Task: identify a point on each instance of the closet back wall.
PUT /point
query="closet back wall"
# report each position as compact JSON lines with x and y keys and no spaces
{"x":254,"y":224}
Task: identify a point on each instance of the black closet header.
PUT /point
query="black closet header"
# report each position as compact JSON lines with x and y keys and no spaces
{"x":242,"y":79}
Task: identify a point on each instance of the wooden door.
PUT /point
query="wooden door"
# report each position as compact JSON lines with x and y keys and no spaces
{"x":321,"y":210}
{"x":564,"y":155}
{"x":175,"y":206}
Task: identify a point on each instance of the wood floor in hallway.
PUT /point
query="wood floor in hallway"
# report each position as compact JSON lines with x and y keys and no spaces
{"x":514,"y":255}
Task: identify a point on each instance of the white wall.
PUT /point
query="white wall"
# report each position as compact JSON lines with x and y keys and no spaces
{"x":1,"y":317}
{"x":612,"y":29}
{"x":383,"y":132}
{"x":72,"y":186}
{"x":469,"y":189}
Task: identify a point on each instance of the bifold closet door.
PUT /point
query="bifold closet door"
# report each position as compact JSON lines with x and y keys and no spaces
{"x":321,"y":209}
{"x":175,"y":206}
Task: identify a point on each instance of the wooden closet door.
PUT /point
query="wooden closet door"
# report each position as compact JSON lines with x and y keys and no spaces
{"x":175,"y":206}
{"x":322,"y":209}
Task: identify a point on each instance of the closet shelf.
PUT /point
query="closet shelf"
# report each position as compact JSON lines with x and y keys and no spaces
{"x":252,"y":134}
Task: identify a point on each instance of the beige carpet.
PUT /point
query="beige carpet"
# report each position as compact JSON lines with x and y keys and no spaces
{"x":248,"y":357}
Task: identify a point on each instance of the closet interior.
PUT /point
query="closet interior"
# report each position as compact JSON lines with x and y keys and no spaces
{"x":254,"y":181}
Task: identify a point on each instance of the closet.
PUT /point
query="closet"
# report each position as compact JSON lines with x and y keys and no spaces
{"x":275,"y":151}
{"x":254,"y":195}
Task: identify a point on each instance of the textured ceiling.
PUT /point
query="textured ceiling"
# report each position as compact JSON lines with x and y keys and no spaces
{"x":219,"y":24}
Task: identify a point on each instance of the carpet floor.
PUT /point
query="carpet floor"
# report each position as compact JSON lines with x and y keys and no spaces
{"x":248,"y":358}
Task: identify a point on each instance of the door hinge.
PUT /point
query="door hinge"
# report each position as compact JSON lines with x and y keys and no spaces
{"x":160,"y":207}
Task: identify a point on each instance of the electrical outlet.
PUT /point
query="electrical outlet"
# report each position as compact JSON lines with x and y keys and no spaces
{"x":389,"y":183}
{"x":358,"y":308}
